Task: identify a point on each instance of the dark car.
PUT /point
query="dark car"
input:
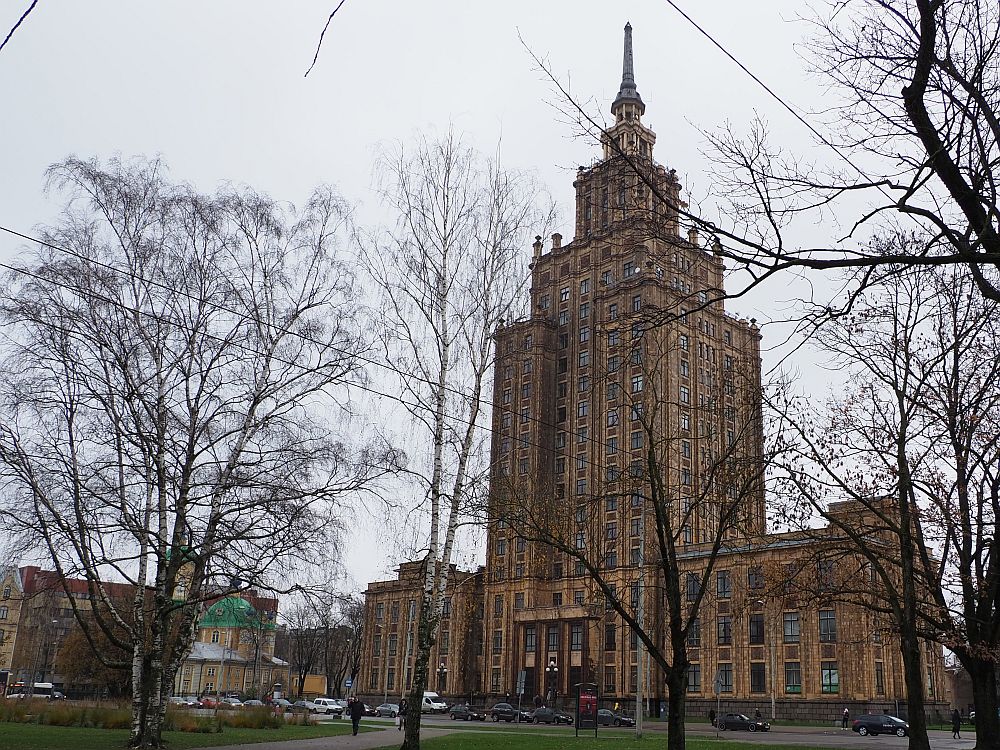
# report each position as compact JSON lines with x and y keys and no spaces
{"x":742,"y":721}
{"x":874,"y":724}
{"x":464,"y":712}
{"x":503,"y":711}
{"x":611,"y":719}
{"x":545,"y":715}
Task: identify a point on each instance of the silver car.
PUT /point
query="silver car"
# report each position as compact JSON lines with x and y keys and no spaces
{"x":387,"y":709}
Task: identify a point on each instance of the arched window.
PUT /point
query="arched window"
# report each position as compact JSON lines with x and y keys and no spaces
{"x":215,"y":636}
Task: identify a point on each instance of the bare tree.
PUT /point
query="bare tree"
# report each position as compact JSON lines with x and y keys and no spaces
{"x":449,"y":271}
{"x":305,"y":641}
{"x":914,"y":131}
{"x":670,"y":512}
{"x":912,"y":445}
{"x":342,"y":656}
{"x":168,"y":358}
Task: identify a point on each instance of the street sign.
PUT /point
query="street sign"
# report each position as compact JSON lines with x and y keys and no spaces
{"x":718,"y":684}
{"x":348,"y":682}
{"x":521,"y":676}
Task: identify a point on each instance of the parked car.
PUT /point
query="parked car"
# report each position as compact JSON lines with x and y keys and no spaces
{"x":304,"y":707}
{"x":465,"y":712}
{"x":742,"y":721}
{"x":178,"y":701}
{"x":209,"y":701}
{"x":369,"y":711}
{"x":432,"y":703}
{"x":972,"y":716}
{"x":525,"y":716}
{"x":503,"y":711}
{"x":283,"y":704}
{"x":387,"y":709}
{"x":231,"y":703}
{"x":547,"y":715}
{"x":611,"y":719}
{"x":329,"y":706}
{"x":253,"y":703}
{"x":874,"y":724}
{"x":192,"y":701}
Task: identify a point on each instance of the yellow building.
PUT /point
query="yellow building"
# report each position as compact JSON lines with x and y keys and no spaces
{"x":388,"y":637}
{"x":233,"y":650}
{"x":11,"y":594}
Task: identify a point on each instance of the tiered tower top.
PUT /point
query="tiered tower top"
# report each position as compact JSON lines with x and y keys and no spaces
{"x":628,"y":132}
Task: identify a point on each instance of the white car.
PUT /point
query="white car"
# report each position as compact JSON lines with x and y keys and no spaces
{"x":328,"y":706}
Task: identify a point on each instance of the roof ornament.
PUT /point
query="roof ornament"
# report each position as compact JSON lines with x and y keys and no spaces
{"x":627,"y":91}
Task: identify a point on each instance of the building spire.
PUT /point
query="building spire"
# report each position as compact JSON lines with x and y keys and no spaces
{"x":627,"y":92}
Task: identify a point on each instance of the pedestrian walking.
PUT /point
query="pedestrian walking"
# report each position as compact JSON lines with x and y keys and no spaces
{"x":711,"y":716}
{"x":401,"y":716}
{"x":956,"y":725}
{"x":357,"y":709}
{"x":844,"y":719}
{"x":756,"y":714}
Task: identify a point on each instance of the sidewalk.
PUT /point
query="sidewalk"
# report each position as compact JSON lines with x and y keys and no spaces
{"x":388,"y":737}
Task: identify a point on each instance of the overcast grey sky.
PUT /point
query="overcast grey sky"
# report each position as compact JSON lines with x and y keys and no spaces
{"x":217,"y":89}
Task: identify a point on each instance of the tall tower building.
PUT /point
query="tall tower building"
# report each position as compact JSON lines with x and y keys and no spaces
{"x":628,"y":358}
{"x":629,"y":402}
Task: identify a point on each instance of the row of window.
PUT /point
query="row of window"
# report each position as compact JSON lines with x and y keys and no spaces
{"x":791,"y":628}
{"x":552,"y":638}
{"x":829,"y":678}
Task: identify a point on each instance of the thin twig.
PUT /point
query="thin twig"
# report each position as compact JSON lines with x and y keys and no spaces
{"x":319,"y":44}
{"x":25,"y":15}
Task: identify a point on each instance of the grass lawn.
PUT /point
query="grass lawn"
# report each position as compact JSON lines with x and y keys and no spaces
{"x":39,"y":737}
{"x":497,"y":741}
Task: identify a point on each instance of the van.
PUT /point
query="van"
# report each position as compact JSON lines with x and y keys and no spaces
{"x":432,"y":703}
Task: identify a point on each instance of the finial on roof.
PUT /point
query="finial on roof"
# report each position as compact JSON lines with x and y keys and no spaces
{"x":627,"y":91}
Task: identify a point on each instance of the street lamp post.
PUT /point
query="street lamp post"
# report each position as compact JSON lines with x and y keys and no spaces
{"x":442,"y":671}
{"x":552,"y":675}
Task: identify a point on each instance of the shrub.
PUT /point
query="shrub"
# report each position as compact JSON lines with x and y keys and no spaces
{"x":260,"y":717}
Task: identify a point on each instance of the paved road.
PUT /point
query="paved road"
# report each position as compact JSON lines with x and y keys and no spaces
{"x":437,"y":727}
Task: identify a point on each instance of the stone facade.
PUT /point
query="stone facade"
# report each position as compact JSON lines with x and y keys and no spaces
{"x":389,"y":637}
{"x":11,"y":595}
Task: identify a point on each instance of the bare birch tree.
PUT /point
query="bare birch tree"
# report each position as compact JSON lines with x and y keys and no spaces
{"x":453,"y":267}
{"x":173,"y":378}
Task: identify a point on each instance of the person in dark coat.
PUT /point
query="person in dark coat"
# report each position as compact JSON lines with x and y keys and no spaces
{"x":956,"y":725}
{"x":356,"y":709}
{"x":402,"y":715}
{"x":711,"y":716}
